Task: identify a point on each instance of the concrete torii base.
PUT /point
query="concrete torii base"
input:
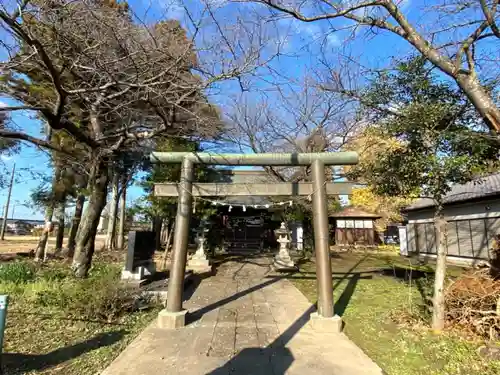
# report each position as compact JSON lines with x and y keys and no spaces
{"x":171,"y":320}
{"x":329,"y":325}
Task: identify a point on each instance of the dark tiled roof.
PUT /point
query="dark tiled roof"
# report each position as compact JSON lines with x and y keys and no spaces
{"x":248,"y":200}
{"x":247,"y":177}
{"x":480,"y":188}
{"x":354,"y":212}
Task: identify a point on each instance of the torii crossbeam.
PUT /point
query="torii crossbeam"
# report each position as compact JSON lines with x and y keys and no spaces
{"x":174,"y":315}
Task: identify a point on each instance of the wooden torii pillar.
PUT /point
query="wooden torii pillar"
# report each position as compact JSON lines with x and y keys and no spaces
{"x":174,"y":316}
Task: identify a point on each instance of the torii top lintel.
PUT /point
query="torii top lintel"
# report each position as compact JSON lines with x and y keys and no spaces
{"x":267,"y":159}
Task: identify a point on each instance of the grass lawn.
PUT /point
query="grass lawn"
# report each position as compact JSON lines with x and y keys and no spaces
{"x":59,"y":325}
{"x":371,"y":290}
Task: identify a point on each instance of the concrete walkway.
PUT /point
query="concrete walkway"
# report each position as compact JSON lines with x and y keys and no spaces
{"x":244,"y":320}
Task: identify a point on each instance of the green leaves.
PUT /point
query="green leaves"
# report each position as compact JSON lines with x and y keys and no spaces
{"x":443,"y":141}
{"x":163,"y":207}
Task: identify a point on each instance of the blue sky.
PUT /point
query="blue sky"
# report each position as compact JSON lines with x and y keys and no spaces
{"x":32,"y":166}
{"x":303,"y":46}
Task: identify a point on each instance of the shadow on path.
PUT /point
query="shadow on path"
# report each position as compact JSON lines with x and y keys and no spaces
{"x":19,"y":363}
{"x":276,"y":358}
{"x":198,"y":314}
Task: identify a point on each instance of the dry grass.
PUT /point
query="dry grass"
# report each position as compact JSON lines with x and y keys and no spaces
{"x":47,"y":332}
{"x":473,"y":303}
{"x":13,"y":245}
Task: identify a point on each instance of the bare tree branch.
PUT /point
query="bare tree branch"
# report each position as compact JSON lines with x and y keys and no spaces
{"x":8,"y":134}
{"x":380,"y":14}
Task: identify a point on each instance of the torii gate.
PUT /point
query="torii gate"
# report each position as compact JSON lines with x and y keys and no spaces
{"x":174,"y":316}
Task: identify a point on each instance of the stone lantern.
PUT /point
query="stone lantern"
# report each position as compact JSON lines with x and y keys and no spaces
{"x":283,"y":261}
{"x":199,"y":261}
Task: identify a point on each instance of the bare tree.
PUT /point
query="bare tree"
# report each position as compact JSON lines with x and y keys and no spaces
{"x":300,"y":117}
{"x":457,"y":37}
{"x":96,"y":72}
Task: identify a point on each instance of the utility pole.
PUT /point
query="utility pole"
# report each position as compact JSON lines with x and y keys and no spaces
{"x":13,"y":210}
{"x":6,"y":212}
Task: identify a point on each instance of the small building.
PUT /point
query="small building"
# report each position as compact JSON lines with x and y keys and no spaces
{"x":354,"y":226}
{"x":19,"y":226}
{"x":250,"y":227}
{"x":473,"y":214}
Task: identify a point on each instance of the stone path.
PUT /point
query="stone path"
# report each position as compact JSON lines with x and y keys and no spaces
{"x":244,"y":320}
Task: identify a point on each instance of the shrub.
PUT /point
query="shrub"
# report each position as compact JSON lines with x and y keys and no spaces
{"x":17,"y":272}
{"x":104,"y":300}
{"x":94,"y":299}
{"x":37,"y":232}
{"x":54,"y":297}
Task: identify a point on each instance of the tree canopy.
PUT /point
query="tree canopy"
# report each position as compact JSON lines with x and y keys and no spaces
{"x":438,"y":137}
{"x":86,"y":68}
{"x":165,"y":208}
{"x":438,"y":140}
{"x":7,"y":146}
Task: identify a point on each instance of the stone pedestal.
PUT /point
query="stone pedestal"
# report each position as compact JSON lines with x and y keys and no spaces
{"x":171,"y":320}
{"x":199,"y":264}
{"x":328,"y":325}
{"x":283,"y":261}
{"x":139,"y":273}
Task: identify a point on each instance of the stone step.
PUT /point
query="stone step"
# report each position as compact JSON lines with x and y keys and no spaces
{"x":158,"y":289}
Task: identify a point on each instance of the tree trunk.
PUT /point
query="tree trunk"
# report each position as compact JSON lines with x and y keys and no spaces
{"x":85,"y":238}
{"x":110,"y":238}
{"x":164,"y":232}
{"x":80,"y":201}
{"x":120,"y":243}
{"x":60,"y":226}
{"x":438,"y":311}
{"x":481,"y":99}
{"x":43,"y":242}
{"x":167,"y":245}
{"x":157,"y":224}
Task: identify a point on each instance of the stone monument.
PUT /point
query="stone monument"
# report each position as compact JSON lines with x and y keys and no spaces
{"x":139,"y":263}
{"x":199,"y":262}
{"x":283,"y":261}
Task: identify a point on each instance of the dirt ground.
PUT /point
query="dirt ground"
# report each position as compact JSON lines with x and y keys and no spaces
{"x":24,"y":244}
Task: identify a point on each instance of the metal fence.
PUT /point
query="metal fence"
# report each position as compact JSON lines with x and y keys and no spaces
{"x":465,"y":238}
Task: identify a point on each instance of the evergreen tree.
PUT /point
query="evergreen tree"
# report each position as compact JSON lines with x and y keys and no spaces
{"x":440,"y":141}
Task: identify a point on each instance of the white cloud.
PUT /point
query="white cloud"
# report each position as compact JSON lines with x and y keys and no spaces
{"x":404,"y":4}
{"x":312,"y":29}
{"x":318,"y":34}
{"x":3,"y":104}
{"x":333,"y":40}
{"x":5,"y":157}
{"x":173,"y":9}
